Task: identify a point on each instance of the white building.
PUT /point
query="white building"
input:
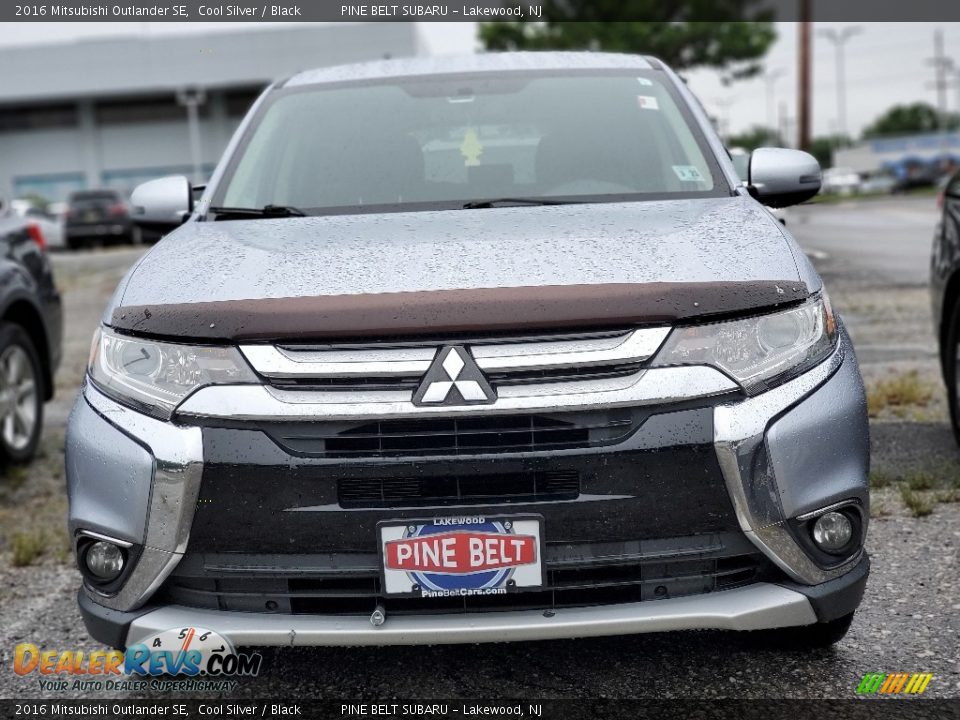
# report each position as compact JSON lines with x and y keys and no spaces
{"x":105,"y":113}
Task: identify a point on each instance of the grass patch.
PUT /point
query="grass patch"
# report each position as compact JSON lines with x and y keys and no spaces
{"x":14,"y":476}
{"x":878,"y":508}
{"x":921,"y":489}
{"x":920,"y":504}
{"x":899,"y":393}
{"x":881,"y":479}
{"x":26,"y":547}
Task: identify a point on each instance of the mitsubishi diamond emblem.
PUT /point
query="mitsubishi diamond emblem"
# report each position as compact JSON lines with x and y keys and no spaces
{"x":454,"y":379}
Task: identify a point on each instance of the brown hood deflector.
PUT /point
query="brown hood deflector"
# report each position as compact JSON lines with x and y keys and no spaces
{"x":438,"y":312}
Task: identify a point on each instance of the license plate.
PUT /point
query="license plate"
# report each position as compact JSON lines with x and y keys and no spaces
{"x":90,"y":216}
{"x":460,"y":556}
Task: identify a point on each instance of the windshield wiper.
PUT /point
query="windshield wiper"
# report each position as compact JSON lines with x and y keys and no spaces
{"x":267,"y":211}
{"x":498,"y":202}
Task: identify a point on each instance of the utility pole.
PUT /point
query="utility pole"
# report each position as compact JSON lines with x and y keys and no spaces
{"x":941,"y":66}
{"x":770,"y":79}
{"x":956,"y":77}
{"x":724,"y":105}
{"x":785,"y":124}
{"x":839,"y":39}
{"x":804,"y":70}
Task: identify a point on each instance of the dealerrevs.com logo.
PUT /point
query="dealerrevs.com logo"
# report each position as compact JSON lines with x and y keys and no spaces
{"x":188,"y":658}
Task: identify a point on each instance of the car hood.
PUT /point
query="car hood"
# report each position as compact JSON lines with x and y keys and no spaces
{"x":397,"y":273}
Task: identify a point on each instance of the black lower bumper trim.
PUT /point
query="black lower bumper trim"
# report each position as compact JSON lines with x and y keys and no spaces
{"x":105,"y":625}
{"x":836,"y":598}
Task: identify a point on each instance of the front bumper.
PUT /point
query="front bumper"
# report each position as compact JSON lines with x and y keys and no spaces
{"x":788,"y":452}
{"x":756,"y":607}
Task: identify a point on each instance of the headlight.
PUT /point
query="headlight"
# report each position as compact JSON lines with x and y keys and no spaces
{"x":758,"y":352}
{"x":155,"y":377}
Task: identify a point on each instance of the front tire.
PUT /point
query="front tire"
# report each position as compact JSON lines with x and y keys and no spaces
{"x":951,"y":369}
{"x":21,"y":395}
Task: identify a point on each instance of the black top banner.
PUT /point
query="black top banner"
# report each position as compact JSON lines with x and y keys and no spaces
{"x":251,"y":11}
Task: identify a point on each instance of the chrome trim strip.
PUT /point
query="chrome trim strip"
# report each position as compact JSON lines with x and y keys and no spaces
{"x":178,"y":464}
{"x":507,"y":356}
{"x":754,"y":607}
{"x":647,"y":387}
{"x":435,"y":509}
{"x":828,"y":508}
{"x":105,"y":538}
{"x":633,"y":347}
{"x":739,"y":432}
{"x":275,"y":362}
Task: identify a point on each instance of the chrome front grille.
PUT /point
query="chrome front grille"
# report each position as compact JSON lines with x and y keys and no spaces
{"x":530,"y":375}
{"x":505,"y":361}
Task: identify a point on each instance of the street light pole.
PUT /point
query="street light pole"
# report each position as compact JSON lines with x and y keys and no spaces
{"x":770,"y":79}
{"x":192,"y":98}
{"x":724,"y":105}
{"x":839,"y":39}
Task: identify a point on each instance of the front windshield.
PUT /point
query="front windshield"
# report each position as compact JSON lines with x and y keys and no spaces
{"x":444,"y":141}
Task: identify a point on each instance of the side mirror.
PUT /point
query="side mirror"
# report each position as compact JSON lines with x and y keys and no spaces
{"x":162,"y":204}
{"x":779,"y":177}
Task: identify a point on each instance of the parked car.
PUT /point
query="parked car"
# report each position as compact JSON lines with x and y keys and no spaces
{"x":49,"y":224}
{"x":945,"y":292}
{"x":30,"y":334}
{"x":98,"y":217}
{"x":879,"y":184}
{"x":914,"y":174}
{"x":571,"y":380}
{"x":840,"y":181}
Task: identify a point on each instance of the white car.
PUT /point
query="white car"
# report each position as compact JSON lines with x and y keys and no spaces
{"x":840,"y":181}
{"x":51,"y":225}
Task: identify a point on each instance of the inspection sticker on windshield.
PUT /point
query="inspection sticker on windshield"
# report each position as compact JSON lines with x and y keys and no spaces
{"x":644,"y":81}
{"x":461,"y":556}
{"x":688,"y":173}
{"x":648,"y":102}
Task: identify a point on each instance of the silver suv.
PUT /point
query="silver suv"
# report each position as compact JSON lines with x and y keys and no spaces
{"x":481,"y":349}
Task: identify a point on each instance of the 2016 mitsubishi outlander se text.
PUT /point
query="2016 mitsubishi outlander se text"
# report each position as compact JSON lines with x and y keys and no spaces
{"x":460,"y":350}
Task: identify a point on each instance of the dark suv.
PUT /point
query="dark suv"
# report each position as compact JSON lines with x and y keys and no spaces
{"x":945,"y":293}
{"x":98,"y":217}
{"x":30,"y":332}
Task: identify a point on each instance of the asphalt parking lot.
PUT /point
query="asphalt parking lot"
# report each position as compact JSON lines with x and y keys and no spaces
{"x":873,"y":256}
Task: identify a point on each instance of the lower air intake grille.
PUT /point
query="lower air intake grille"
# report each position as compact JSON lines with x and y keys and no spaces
{"x":465,"y":490}
{"x":457,"y":436}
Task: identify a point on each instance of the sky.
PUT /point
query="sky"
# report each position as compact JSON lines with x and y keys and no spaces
{"x":886,"y":64}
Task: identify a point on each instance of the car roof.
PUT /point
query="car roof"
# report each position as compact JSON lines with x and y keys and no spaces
{"x":480,"y":62}
{"x":101,"y":192}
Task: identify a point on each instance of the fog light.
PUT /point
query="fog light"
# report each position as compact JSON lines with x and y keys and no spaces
{"x":104,"y":560}
{"x":832,"y":531}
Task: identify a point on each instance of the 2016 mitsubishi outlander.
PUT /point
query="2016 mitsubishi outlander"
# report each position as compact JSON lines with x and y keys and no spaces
{"x":481,"y":349}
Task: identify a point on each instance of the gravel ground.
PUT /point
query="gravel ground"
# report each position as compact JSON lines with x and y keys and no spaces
{"x":909,"y":620}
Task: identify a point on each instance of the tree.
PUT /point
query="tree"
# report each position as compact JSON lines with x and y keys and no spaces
{"x":909,"y":119}
{"x":755,"y":137}
{"x":823,"y":147}
{"x":730,"y":35}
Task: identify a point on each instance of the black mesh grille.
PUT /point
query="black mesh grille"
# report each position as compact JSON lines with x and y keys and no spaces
{"x":456,"y":436}
{"x":468,"y":489}
{"x":684,"y":566}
